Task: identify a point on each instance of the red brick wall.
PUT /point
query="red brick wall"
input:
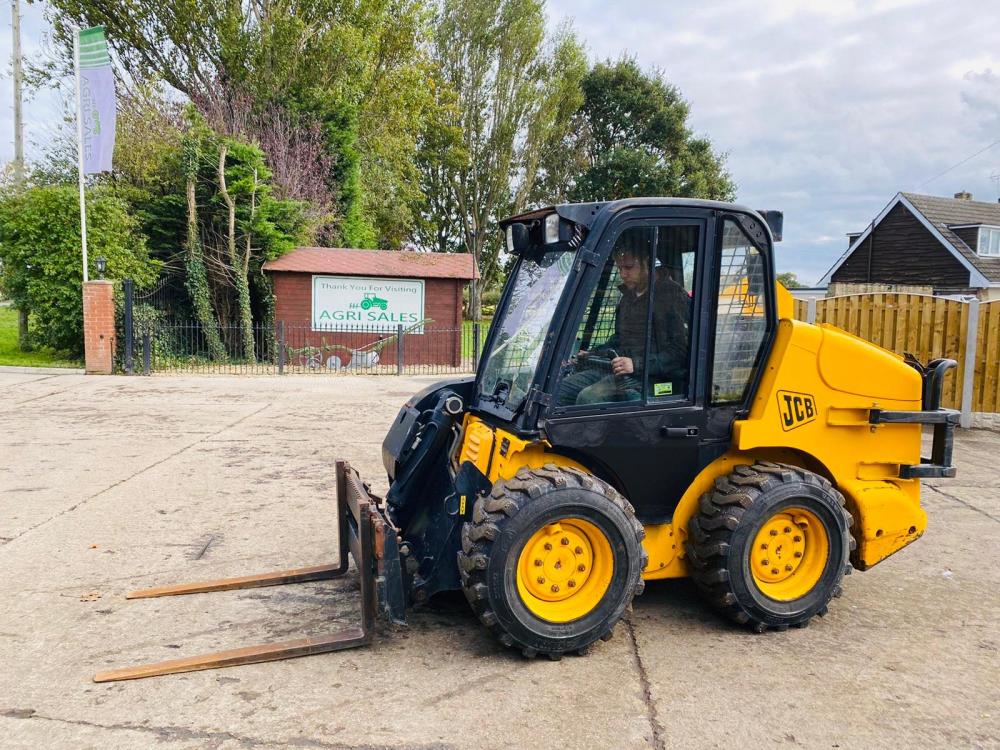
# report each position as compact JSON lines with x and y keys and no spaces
{"x":441,"y":342}
{"x":99,"y":327}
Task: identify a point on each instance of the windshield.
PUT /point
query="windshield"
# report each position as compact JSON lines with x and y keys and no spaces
{"x":520,"y":331}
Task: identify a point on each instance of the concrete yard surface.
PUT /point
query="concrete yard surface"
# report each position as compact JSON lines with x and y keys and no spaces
{"x":112,"y":484}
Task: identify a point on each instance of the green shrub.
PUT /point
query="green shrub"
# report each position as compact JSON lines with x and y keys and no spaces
{"x":41,"y":261}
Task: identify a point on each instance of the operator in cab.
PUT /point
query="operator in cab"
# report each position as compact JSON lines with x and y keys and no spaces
{"x":613,"y":371}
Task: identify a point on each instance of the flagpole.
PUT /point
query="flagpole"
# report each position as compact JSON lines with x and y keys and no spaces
{"x":79,"y":151}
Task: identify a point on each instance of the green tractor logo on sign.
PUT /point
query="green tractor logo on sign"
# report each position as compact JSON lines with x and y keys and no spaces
{"x":371,"y":300}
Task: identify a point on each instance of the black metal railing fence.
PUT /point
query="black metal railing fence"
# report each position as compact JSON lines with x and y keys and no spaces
{"x":158,"y":345}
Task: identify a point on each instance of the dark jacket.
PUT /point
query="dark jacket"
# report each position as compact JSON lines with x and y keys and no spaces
{"x":670,"y":339}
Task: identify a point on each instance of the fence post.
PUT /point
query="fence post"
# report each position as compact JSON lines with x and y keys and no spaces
{"x":127,"y":292}
{"x":399,"y":349}
{"x":475,"y":345}
{"x":281,"y":347}
{"x":146,"y":351}
{"x":811,"y":310}
{"x":969,"y":373}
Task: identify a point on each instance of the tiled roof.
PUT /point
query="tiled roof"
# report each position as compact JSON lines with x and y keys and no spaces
{"x":949,"y":212}
{"x":345,"y":262}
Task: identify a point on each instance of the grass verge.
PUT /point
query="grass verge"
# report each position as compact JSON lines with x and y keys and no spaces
{"x":11,"y":355}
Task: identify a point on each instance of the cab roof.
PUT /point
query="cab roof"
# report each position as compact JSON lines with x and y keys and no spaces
{"x":586,"y":214}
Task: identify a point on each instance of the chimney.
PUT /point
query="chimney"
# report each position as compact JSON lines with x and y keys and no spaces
{"x":963,"y":196}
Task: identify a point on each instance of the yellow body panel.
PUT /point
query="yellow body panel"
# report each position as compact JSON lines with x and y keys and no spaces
{"x":500,"y":454}
{"x":811,"y":409}
{"x":785,"y":302}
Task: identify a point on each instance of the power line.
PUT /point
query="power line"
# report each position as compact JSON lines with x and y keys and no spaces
{"x":955,"y":166}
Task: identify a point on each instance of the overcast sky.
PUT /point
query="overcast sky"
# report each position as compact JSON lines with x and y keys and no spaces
{"x":826,"y":109}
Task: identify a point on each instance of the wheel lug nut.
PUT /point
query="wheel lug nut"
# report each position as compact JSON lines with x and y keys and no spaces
{"x":796,"y":538}
{"x":798,"y":554}
{"x":788,"y":529}
{"x":571,"y":583}
{"x":548,"y":545}
{"x":555,"y":588}
{"x":541,"y":580}
{"x":564,"y":541}
{"x":581,"y":567}
{"x":764,"y":545}
{"x":538,"y":563}
{"x":578,"y":550}
{"x":765,"y":562}
{"x":774,"y":532}
{"x":788,"y":567}
{"x":774,"y":571}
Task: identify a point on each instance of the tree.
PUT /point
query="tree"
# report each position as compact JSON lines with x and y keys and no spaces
{"x":549,"y":154}
{"x":352,"y":67}
{"x":234,"y":224}
{"x":441,"y":155}
{"x":41,"y":262}
{"x":789,"y":280}
{"x":510,"y":96}
{"x":634,"y":139}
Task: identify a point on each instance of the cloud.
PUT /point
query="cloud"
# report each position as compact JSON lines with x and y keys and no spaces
{"x":826,"y":110}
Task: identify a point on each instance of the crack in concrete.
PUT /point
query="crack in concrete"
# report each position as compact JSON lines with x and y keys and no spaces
{"x":175,"y":733}
{"x":959,"y":500}
{"x":204,"y":549}
{"x":39,"y":398}
{"x":120,"y":482}
{"x":647,"y":690}
{"x":26,"y":382}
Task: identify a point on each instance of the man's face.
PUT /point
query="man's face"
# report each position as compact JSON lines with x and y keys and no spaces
{"x":633,"y":271}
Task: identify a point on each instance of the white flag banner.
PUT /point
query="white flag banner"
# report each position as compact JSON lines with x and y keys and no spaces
{"x":97,"y":101}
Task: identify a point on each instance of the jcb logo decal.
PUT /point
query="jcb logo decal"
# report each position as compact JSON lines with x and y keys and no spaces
{"x":796,"y":409}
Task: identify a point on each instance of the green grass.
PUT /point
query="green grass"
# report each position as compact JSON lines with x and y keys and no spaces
{"x":11,"y":355}
{"x":467,"y":335}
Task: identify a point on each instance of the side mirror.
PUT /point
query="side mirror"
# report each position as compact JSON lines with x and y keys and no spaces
{"x":775,"y":222}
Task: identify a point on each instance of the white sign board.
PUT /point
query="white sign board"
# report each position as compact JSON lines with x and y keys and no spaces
{"x":355,"y":302}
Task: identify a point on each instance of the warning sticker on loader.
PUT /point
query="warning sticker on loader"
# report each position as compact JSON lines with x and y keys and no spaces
{"x":795,"y":409}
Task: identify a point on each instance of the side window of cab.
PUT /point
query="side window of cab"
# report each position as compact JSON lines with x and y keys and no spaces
{"x":634,"y":339}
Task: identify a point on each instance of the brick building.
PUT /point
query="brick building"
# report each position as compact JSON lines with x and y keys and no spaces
{"x":350,"y":303}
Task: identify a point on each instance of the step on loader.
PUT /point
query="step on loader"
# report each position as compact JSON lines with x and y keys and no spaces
{"x":646,"y":407}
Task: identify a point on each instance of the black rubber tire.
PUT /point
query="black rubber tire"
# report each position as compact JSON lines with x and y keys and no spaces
{"x":729,"y":517}
{"x":502,"y":523}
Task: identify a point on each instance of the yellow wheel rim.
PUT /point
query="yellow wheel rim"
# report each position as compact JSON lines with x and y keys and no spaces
{"x":789,"y":554}
{"x":564,"y":570}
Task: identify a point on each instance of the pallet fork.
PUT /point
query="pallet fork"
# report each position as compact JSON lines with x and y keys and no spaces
{"x":364,"y":531}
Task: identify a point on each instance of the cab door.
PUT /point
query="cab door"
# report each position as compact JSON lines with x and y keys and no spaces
{"x":625,"y":400}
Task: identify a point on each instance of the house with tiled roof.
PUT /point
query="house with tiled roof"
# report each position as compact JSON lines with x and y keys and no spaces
{"x":950,"y":245}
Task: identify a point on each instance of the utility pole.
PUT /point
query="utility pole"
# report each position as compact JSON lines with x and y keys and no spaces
{"x":15,"y":12}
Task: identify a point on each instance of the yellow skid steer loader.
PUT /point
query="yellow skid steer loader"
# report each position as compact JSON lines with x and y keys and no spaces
{"x":646,"y":407}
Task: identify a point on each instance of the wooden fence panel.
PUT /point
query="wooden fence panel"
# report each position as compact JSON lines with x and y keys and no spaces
{"x":986,"y":394}
{"x":801,"y":310}
{"x":926,"y":327}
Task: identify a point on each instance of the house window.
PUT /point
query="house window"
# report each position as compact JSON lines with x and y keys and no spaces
{"x":989,"y":241}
